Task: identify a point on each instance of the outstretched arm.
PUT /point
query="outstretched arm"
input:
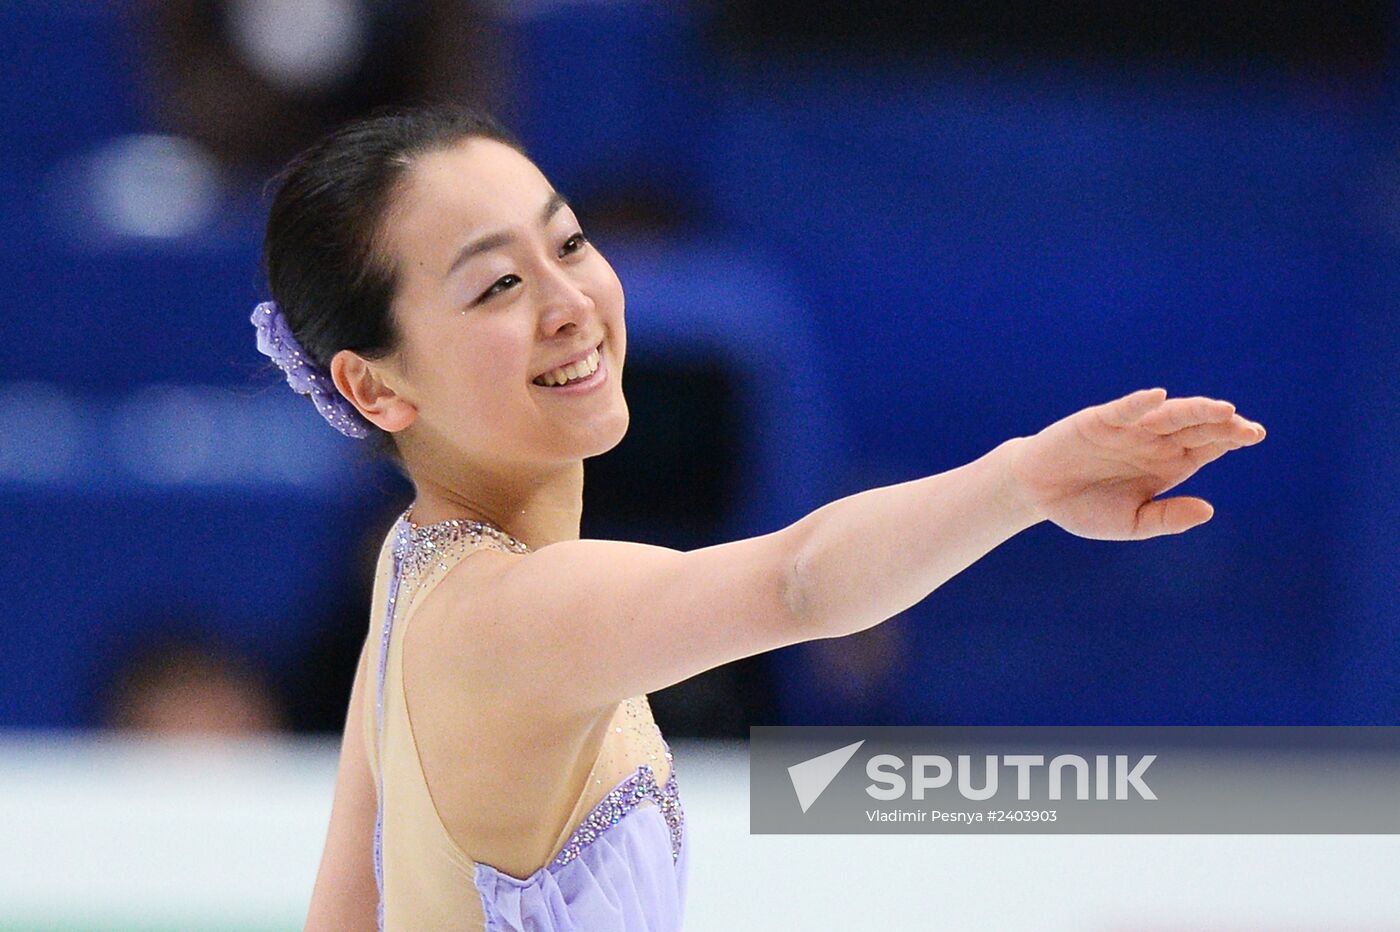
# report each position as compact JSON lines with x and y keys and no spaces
{"x":581,"y":624}
{"x":867,"y":557}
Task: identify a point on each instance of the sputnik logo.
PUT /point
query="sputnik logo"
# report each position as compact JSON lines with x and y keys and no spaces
{"x":811,"y":777}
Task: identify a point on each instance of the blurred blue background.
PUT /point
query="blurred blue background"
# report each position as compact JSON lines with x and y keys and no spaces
{"x":851,"y":259}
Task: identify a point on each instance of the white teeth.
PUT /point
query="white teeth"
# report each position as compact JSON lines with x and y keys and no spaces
{"x":571,"y":372}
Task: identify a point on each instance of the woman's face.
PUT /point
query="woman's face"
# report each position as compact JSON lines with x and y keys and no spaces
{"x":498,"y":286}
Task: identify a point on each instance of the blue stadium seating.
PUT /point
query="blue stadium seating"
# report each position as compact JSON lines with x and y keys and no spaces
{"x":907,"y":265}
{"x":986,"y":255}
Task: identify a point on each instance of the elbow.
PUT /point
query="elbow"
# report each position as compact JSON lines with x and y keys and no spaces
{"x":797,"y":599}
{"x":794,"y":600}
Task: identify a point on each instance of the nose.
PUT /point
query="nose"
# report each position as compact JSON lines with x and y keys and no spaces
{"x":564,"y":303}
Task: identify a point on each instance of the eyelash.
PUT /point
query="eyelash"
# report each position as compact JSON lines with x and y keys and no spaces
{"x":497,"y":288}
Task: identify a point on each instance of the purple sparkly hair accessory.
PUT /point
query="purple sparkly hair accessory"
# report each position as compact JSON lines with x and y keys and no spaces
{"x":275,"y":341}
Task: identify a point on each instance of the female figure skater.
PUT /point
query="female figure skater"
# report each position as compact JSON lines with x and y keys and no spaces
{"x":500,"y":767}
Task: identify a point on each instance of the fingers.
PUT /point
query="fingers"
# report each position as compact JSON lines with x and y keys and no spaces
{"x":1208,"y":453}
{"x":1178,"y":413}
{"x":1192,"y":422}
{"x":1124,"y":411}
{"x":1171,"y":516}
{"x":1238,"y":431}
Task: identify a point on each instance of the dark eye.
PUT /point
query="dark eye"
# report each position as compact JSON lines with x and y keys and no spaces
{"x":502,"y":283}
{"x":574,"y":243}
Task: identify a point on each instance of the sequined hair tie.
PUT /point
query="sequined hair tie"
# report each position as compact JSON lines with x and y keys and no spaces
{"x":275,"y":341}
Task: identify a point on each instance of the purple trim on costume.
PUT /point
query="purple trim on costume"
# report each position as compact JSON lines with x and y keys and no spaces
{"x":401,"y":542}
{"x":628,"y":795}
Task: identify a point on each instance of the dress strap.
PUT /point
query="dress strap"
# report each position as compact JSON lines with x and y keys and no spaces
{"x":402,"y":533}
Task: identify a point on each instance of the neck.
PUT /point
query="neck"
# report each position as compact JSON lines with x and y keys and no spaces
{"x":537,"y":507}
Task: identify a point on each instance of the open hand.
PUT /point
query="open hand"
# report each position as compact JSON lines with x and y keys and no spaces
{"x":1095,"y":472}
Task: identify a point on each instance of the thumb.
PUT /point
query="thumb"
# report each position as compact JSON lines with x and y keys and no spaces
{"x":1171,"y":516}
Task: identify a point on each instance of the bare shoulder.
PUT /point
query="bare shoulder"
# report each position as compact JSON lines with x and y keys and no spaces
{"x":579,"y":625}
{"x":462,"y":643}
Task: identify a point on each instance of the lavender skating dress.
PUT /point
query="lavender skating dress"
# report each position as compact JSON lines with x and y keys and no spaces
{"x":620,"y":862}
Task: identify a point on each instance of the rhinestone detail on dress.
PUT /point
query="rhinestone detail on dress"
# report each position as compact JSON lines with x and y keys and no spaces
{"x":442,"y":541}
{"x":628,"y":795}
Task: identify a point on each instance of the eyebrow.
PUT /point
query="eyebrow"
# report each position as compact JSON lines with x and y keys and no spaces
{"x":496,"y":240}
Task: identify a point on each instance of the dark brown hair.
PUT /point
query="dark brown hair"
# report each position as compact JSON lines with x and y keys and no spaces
{"x":322,"y":252}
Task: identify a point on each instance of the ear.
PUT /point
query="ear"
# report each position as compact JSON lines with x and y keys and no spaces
{"x":362,"y":382}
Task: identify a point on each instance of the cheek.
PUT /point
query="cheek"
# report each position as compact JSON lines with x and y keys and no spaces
{"x":492,"y":362}
{"x":608,"y":292}
{"x":469,"y":369}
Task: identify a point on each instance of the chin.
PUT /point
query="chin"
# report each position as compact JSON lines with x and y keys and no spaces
{"x":601,"y":434}
{"x":613,"y":434}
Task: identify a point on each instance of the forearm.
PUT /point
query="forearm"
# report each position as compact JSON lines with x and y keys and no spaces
{"x":867,"y":557}
{"x":346,"y":894}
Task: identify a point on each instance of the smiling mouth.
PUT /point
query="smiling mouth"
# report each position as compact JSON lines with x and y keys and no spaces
{"x":573,"y":374}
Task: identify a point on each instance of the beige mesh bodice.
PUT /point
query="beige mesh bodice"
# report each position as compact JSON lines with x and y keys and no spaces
{"x":427,"y":878}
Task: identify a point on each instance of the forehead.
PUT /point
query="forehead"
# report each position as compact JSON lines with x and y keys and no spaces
{"x":448,"y":196}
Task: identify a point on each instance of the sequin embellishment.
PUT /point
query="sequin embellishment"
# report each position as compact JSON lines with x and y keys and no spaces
{"x":439,"y":543}
{"x":628,"y":795}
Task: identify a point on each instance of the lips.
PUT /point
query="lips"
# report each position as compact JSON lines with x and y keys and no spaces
{"x":580,"y":385}
{"x":576,"y":370}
